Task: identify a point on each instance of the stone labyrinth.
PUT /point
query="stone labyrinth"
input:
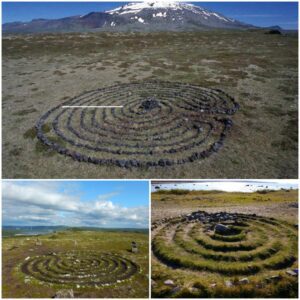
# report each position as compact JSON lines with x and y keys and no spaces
{"x":82,"y":269}
{"x":158,"y":124}
{"x":232,"y":249}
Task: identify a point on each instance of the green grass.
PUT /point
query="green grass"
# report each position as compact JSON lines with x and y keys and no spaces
{"x":30,"y":133}
{"x":195,"y":258}
{"x":210,"y":198}
{"x":114,"y":242}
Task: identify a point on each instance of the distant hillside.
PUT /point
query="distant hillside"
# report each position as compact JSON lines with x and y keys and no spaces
{"x":8,"y":231}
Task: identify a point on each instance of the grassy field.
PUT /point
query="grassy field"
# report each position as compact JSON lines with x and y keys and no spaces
{"x":95,"y":264}
{"x":254,"y":259}
{"x":258,"y":70}
{"x":272,"y":203}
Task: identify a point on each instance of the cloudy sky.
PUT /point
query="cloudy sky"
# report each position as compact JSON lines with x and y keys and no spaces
{"x":111,"y":204}
{"x":229,"y":185}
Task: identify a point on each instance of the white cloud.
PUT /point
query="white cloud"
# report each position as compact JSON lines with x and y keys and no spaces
{"x":39,"y":196}
{"x":26,"y":203}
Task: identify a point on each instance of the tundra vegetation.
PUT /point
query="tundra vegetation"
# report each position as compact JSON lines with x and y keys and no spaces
{"x":85,"y":263}
{"x":43,"y":71}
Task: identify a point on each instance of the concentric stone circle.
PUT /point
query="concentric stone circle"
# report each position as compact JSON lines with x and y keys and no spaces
{"x":158,"y":124}
{"x":248,"y":245}
{"x":80,"y":269}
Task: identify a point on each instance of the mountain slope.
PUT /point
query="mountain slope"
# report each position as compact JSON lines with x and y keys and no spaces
{"x":75,"y":23}
{"x":143,"y":16}
{"x":168,"y":14}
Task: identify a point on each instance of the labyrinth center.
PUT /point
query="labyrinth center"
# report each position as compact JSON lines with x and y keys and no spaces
{"x":237,"y":246}
{"x":80,"y":268}
{"x":152,"y":124}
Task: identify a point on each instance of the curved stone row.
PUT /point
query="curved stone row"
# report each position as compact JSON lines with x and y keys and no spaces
{"x":225,"y":244}
{"x":80,"y":269}
{"x":159,"y":124}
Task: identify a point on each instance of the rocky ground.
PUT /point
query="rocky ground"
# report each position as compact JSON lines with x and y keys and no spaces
{"x":258,"y":70}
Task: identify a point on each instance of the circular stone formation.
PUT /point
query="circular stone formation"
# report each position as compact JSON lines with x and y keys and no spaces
{"x":159,"y":124}
{"x":81,"y":269}
{"x":228,"y":249}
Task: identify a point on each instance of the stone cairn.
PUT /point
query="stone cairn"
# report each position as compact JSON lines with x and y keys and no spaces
{"x":158,"y":124}
{"x":134,"y":247}
{"x":38,"y":242}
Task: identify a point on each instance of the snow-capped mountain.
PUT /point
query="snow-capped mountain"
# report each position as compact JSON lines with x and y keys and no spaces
{"x":171,"y":15}
{"x":160,"y":15}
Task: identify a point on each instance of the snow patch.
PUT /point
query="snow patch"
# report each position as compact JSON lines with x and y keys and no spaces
{"x":141,"y":20}
{"x":135,"y":7}
{"x":160,"y":14}
{"x":219,"y":17}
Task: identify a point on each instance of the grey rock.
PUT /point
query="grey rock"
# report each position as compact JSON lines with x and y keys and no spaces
{"x":244,"y":280}
{"x":169,"y":282}
{"x":27,"y":280}
{"x":228,"y":283}
{"x":291,"y":273}
{"x":221,"y":229}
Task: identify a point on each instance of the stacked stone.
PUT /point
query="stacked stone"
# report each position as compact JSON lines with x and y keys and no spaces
{"x":160,"y":124}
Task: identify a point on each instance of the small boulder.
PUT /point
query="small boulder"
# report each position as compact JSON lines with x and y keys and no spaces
{"x":64,"y":294}
{"x":134,"y":247}
{"x":149,"y":104}
{"x":27,"y":280}
{"x":244,"y":281}
{"x":222,"y":229}
{"x":228,"y":283}
{"x":291,"y":273}
{"x":169,"y":282}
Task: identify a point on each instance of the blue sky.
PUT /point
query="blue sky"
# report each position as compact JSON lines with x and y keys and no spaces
{"x":125,"y":193}
{"x":110,"y":204}
{"x":284,"y":14}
